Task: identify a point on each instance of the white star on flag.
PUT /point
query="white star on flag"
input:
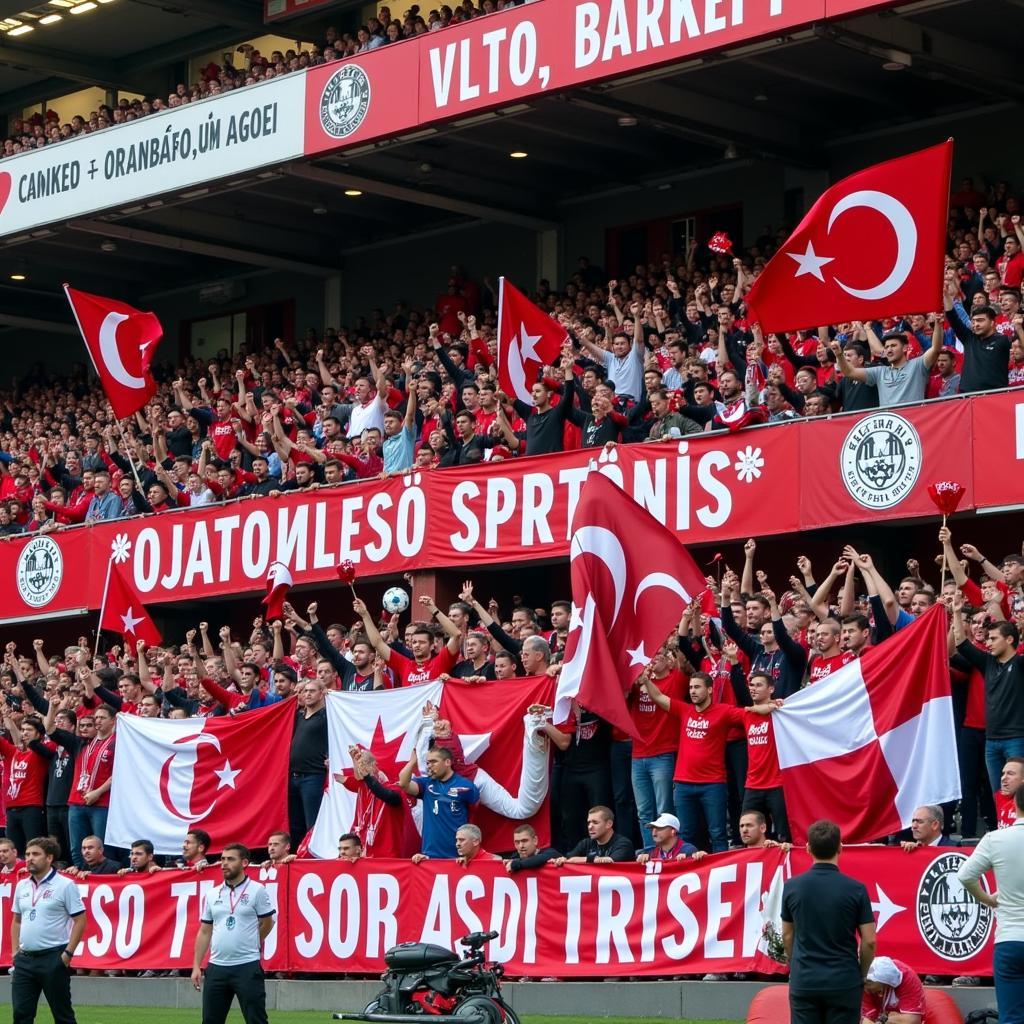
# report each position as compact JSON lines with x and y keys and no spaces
{"x":226,"y":775}
{"x":575,"y":618}
{"x":810,"y":263}
{"x":129,"y":622}
{"x":638,"y":656}
{"x":528,"y":344}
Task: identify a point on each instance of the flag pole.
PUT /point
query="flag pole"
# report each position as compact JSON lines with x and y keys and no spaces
{"x":131,"y":461}
{"x":103,"y":601}
{"x":942,"y":586}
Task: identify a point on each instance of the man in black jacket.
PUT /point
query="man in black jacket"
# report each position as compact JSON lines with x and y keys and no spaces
{"x":529,"y":854}
{"x":603,"y":845}
{"x":771,"y":650}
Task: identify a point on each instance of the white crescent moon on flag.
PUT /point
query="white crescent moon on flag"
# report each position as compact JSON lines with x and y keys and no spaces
{"x":906,"y":239}
{"x":517,"y":372}
{"x":596,"y":540}
{"x":661,"y":579}
{"x":177,"y":784}
{"x":112,"y":357}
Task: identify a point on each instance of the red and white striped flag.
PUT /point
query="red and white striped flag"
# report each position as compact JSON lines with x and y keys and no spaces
{"x":874,"y":740}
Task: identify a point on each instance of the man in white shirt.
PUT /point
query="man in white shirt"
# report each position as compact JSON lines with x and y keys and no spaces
{"x":1002,"y":853}
{"x":235,"y":919}
{"x":47,"y":922}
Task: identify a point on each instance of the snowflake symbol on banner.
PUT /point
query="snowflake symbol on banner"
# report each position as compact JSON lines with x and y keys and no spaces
{"x":120,"y":547}
{"x":749,"y":464}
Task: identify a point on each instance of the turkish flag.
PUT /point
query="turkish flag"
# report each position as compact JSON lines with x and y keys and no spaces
{"x":528,"y":339}
{"x":872,"y":246}
{"x":121,"y":341}
{"x":225,"y":774}
{"x":631,"y":580}
{"x":492,"y":743}
{"x":124,"y":613}
{"x":279,"y":582}
{"x":879,"y":731}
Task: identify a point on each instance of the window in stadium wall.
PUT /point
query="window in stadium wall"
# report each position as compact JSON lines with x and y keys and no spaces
{"x":628,"y":245}
{"x":255,"y":327}
{"x":238,"y":57}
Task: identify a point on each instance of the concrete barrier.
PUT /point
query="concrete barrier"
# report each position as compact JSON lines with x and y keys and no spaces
{"x":666,"y":1000}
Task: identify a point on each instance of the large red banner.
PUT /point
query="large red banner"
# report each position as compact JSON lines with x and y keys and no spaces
{"x":517,"y":55}
{"x":718,"y":914}
{"x":709,"y":488}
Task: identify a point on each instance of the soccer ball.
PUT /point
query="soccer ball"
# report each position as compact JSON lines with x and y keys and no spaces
{"x":396,"y":600}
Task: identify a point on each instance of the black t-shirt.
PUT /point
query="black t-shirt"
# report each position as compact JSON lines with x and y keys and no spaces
{"x":619,"y":848}
{"x":544,"y":430}
{"x":309,"y":743}
{"x":60,"y":777}
{"x":179,"y":442}
{"x":985,"y":364}
{"x":1004,"y":691}
{"x":465,"y":669}
{"x":590,"y":746}
{"x":825,"y":908}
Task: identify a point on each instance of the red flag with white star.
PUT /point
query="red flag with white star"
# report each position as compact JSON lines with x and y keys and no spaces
{"x":631,"y":581}
{"x":124,"y":613}
{"x":227,"y":774}
{"x":528,"y":339}
{"x":121,"y":341}
{"x":872,"y":246}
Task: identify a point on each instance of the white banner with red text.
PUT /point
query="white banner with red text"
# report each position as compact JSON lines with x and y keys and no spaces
{"x":759,"y":482}
{"x":486,"y":63}
{"x":718,"y":914}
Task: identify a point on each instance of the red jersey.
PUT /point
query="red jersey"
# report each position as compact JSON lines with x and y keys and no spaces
{"x":702,"y":736}
{"x":13,"y":869}
{"x":223,"y":438}
{"x":974,"y":714}
{"x":409,"y":673}
{"x":823,"y":667}
{"x":906,"y":997}
{"x":380,"y":827}
{"x":307,"y":671}
{"x":657,"y":732}
{"x":26,"y":775}
{"x":762,"y":757}
{"x":1006,"y":810}
{"x":93,"y":765}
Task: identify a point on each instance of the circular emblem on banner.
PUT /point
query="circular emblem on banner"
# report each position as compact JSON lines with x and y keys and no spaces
{"x":880,"y":460}
{"x":953,"y":923}
{"x":39,"y":571}
{"x":344,"y":101}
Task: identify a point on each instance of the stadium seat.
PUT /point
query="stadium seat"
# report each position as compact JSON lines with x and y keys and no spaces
{"x":771,"y":1006}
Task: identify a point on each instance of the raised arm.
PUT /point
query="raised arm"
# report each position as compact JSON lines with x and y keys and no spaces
{"x":819,"y":603}
{"x":937,"y":339}
{"x":846,"y":368}
{"x":453,"y":631}
{"x":370,"y":628}
{"x":747,"y":582}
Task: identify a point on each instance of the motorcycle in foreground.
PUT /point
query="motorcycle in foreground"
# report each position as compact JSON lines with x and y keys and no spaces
{"x":425,"y":982}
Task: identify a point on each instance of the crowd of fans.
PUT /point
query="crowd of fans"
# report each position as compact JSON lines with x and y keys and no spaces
{"x":247,"y":67}
{"x":674,"y":790}
{"x":667,"y":351}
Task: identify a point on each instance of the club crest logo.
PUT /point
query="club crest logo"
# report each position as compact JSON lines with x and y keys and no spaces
{"x":951,"y":921}
{"x":39,"y":572}
{"x":344,"y":101}
{"x":880,"y":460}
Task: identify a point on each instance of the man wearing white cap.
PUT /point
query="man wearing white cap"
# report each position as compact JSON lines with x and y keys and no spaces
{"x":892,"y":992}
{"x":668,"y":843}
